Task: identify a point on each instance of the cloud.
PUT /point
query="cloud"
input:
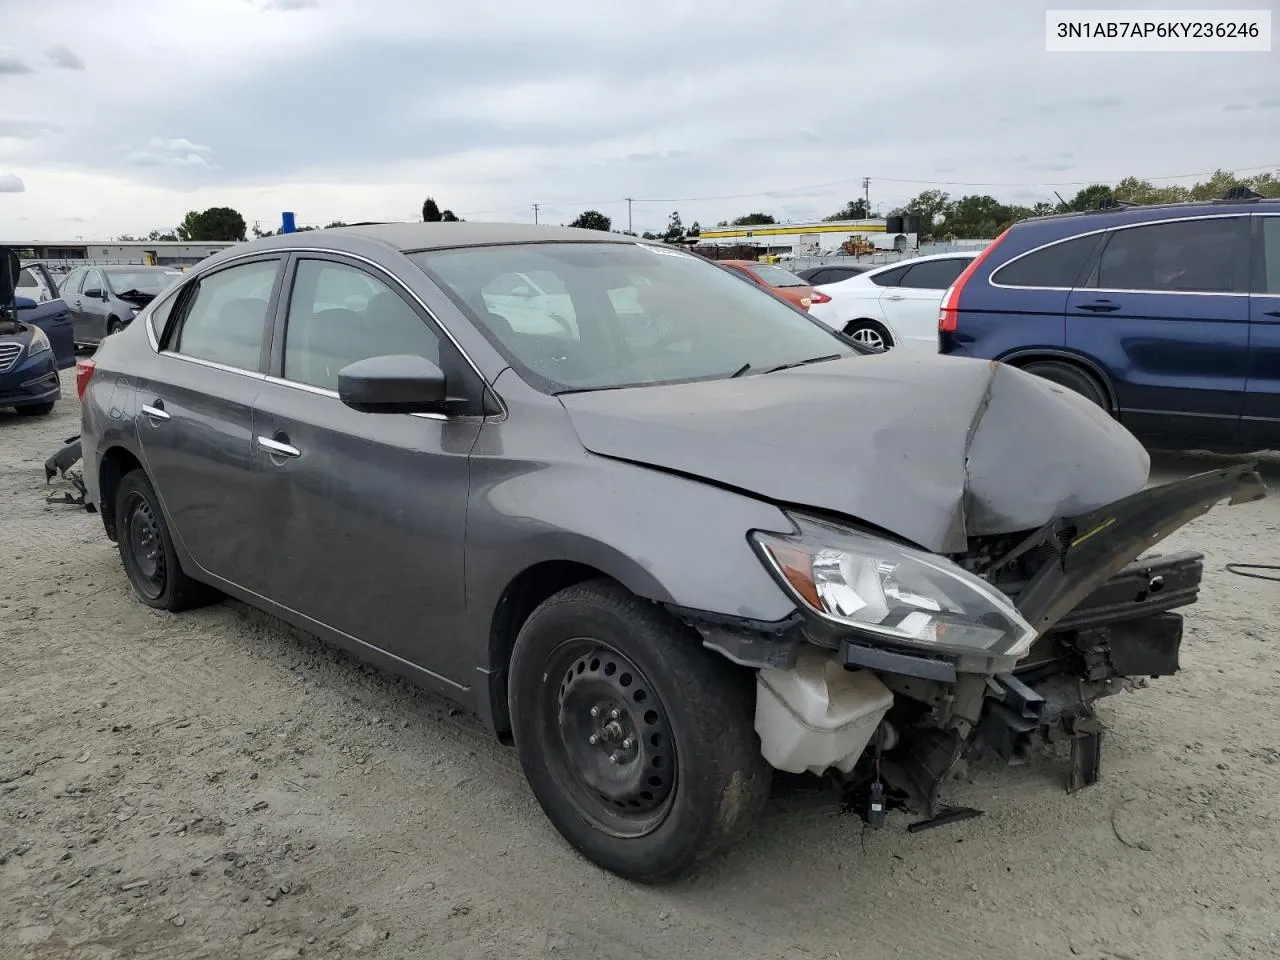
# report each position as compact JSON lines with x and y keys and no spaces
{"x":63,"y":56}
{"x":171,"y":152}
{"x":11,"y":183}
{"x":285,"y":6}
{"x":1271,"y":103}
{"x":26,"y":129}
{"x":11,"y":65}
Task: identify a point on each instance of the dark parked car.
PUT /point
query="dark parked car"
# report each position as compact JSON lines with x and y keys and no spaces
{"x":35,"y":337}
{"x":1167,"y":316}
{"x":832,"y":272}
{"x":660,"y":553}
{"x":105,"y":299}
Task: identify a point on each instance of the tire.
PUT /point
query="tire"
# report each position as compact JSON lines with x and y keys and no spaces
{"x":36,"y":409}
{"x":869,"y":333}
{"x":147,"y":553}
{"x":114,"y":326}
{"x":682,"y":710}
{"x":1073,"y":378}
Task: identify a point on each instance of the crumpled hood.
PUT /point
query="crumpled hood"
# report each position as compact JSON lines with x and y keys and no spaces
{"x":933,"y":449}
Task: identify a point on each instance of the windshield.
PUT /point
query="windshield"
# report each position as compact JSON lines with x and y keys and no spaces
{"x":144,"y":281}
{"x":593,"y":316}
{"x":777,"y":276}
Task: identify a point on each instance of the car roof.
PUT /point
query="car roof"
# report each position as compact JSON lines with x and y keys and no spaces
{"x":435,"y":236}
{"x":924,"y":259}
{"x":1110,"y":216}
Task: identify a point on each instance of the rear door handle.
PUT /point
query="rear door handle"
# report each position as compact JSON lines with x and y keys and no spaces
{"x":278,"y":449}
{"x":155,"y":410}
{"x":1099,"y":306}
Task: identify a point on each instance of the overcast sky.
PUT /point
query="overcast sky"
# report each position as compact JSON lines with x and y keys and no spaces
{"x":121,"y":115}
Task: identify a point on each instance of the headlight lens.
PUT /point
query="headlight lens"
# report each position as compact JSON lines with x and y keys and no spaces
{"x":39,"y":342}
{"x":910,"y":596}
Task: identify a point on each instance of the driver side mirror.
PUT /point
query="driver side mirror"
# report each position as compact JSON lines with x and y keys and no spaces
{"x":95,"y":294}
{"x":398,"y":383}
{"x":24,"y":303}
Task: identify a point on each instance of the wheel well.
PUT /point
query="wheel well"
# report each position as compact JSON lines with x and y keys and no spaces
{"x":1088,"y":369}
{"x":866,"y":321}
{"x":523,"y":595}
{"x":116,"y":463}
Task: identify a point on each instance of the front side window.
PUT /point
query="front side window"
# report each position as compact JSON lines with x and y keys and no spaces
{"x":934,"y":274}
{"x":93,"y":283}
{"x":226,"y":320}
{"x":642,"y":315}
{"x":339,"y":314}
{"x":1208,"y":255}
{"x":1059,"y":265}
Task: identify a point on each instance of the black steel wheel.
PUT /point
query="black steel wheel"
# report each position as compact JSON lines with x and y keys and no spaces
{"x":638,"y":743}
{"x":615,"y":758}
{"x":146,"y":549}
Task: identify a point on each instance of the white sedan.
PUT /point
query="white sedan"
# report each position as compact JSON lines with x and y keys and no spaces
{"x":893,"y":305}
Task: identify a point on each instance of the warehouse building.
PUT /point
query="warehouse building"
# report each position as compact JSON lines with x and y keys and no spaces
{"x":159,"y":252}
{"x":818,"y":238}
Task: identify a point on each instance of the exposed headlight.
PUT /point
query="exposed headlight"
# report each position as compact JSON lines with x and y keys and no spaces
{"x":39,"y":342}
{"x":909,"y":596}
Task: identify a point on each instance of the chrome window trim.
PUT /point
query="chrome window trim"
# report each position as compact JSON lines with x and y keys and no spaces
{"x":991,"y":280}
{"x":322,"y":391}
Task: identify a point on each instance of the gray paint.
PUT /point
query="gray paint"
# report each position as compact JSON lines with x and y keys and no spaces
{"x":396,"y":536}
{"x":919,"y":446}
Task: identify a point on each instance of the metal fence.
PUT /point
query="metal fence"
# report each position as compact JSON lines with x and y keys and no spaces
{"x":60,"y":267}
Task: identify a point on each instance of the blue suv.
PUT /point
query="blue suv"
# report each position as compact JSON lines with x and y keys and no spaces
{"x":1167,"y":316}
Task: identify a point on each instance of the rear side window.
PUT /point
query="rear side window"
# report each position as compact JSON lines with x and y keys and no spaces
{"x":934,"y":274}
{"x":1270,"y":255}
{"x":1209,"y":255}
{"x":1059,"y":265}
{"x":71,"y":284}
{"x":890,"y":278}
{"x":227,"y":317}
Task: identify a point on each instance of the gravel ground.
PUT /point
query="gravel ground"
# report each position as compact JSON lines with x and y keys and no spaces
{"x":215,"y":784}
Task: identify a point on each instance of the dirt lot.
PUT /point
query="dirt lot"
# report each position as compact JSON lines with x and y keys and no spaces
{"x":216,"y":785}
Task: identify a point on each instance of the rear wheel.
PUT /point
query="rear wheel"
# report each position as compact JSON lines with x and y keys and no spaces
{"x":869,"y":333}
{"x":36,"y":409}
{"x":146,"y":550}
{"x":1073,"y":378}
{"x":638,"y":743}
{"x":114,"y":326}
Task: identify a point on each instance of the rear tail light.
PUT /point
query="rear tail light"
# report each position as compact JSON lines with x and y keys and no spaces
{"x":817,"y":297}
{"x":84,"y":370}
{"x":949,"y":311}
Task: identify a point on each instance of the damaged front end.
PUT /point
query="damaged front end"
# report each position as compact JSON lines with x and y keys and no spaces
{"x":893,"y":703}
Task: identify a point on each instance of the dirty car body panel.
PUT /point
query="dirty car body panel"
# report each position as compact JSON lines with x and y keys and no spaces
{"x":964,"y":539}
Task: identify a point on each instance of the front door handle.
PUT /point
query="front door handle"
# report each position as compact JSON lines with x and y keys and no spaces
{"x":155,"y":410}
{"x":1271,"y":313}
{"x":894,"y":296}
{"x":278,"y":449}
{"x":1099,"y":306}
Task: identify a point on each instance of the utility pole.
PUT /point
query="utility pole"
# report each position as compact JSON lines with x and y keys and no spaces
{"x":866,"y":195}
{"x":535,"y":212}
{"x":629,"y":230}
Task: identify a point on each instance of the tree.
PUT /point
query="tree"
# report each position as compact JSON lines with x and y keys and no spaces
{"x":218,"y":224}
{"x":592,"y":220}
{"x":334,"y":223}
{"x":1090,"y":197}
{"x":448,"y":216}
{"x":157,"y":235}
{"x":675,"y":229}
{"x":695,"y":230}
{"x":754,"y":220}
{"x":431,"y":211}
{"x":1042,"y":209}
{"x":853,"y":210}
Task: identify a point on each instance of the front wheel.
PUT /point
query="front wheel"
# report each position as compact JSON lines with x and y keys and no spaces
{"x":115,"y":326}
{"x":637,"y":742}
{"x":1073,"y":378}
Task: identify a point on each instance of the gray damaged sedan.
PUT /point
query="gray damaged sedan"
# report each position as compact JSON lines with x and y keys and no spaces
{"x":663,"y":529}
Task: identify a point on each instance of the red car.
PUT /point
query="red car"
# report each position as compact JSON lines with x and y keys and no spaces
{"x":782,"y":282}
